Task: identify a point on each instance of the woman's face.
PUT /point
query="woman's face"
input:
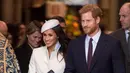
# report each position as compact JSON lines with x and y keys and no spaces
{"x":34,"y":39}
{"x":50,"y":38}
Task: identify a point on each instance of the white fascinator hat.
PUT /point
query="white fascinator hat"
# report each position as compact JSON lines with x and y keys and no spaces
{"x":49,"y":24}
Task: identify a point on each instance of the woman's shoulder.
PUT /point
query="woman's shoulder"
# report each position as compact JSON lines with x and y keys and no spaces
{"x":39,"y":51}
{"x":42,"y":48}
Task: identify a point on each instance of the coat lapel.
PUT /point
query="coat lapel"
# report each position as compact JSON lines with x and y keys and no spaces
{"x":83,"y":55}
{"x":122,"y":38}
{"x":46,"y":57}
{"x":98,"y":50}
{"x":43,"y":55}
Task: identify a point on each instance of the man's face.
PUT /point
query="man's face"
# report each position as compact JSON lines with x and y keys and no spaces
{"x":89,"y":24}
{"x":125,"y":17}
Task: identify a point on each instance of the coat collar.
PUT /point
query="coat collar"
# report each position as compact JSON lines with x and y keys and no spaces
{"x":98,"y":49}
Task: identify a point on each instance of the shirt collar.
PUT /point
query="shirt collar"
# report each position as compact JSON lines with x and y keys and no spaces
{"x":96,"y":36}
{"x":126,"y":31}
{"x":127,"y":35}
{"x":30,"y":46}
{"x":57,"y":46}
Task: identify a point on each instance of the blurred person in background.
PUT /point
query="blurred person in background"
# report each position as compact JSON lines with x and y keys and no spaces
{"x":123,"y":34}
{"x":51,"y":57}
{"x":13,"y":34}
{"x":62,"y":22}
{"x":8,"y":61}
{"x":32,"y":40}
{"x":63,"y":25}
{"x":21,"y":34}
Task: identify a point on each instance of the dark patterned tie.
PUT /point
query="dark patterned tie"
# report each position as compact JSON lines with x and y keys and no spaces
{"x":90,"y":50}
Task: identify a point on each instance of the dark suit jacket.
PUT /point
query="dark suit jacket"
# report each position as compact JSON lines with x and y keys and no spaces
{"x":23,"y":54}
{"x":107,"y":57}
{"x":120,"y":34}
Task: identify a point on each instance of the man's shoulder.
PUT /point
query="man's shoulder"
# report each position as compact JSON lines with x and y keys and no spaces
{"x":108,"y":38}
{"x":118,"y":32}
{"x":2,"y":41}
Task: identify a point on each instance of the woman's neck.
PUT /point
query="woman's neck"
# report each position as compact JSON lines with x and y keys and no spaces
{"x":50,"y":49}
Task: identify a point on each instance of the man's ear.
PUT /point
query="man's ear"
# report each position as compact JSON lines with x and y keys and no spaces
{"x":98,"y":20}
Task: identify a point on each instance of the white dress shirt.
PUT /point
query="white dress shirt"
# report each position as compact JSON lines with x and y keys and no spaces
{"x":94,"y":43}
{"x":127,"y":35}
{"x":41,"y":62}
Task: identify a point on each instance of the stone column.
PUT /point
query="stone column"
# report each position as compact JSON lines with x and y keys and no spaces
{"x":7,"y":10}
{"x":113,"y":15}
{"x":110,"y":9}
{"x":27,"y":5}
{"x":17,"y":11}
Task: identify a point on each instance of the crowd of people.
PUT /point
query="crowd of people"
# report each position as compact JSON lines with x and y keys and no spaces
{"x":45,"y":47}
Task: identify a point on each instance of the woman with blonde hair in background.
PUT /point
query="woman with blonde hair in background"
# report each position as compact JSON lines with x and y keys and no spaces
{"x":32,"y":40}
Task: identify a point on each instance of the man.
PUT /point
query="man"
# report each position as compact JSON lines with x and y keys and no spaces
{"x":122,"y":34}
{"x":94,"y":52}
{"x":8,"y":61}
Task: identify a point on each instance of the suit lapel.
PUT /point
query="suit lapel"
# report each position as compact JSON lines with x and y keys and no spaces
{"x":46,"y":57}
{"x":97,"y":53}
{"x":83,"y":55}
{"x":122,"y":38}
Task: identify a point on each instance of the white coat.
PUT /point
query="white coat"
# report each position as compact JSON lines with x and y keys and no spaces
{"x":41,"y":63}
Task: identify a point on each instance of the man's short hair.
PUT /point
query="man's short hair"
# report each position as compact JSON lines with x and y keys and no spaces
{"x":96,"y":11}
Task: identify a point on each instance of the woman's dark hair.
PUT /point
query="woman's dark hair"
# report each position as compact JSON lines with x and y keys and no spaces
{"x":59,"y":18}
{"x":62,"y":39}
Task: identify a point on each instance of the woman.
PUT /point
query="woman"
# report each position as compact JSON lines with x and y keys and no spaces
{"x":31,"y":41}
{"x":50,"y":58}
